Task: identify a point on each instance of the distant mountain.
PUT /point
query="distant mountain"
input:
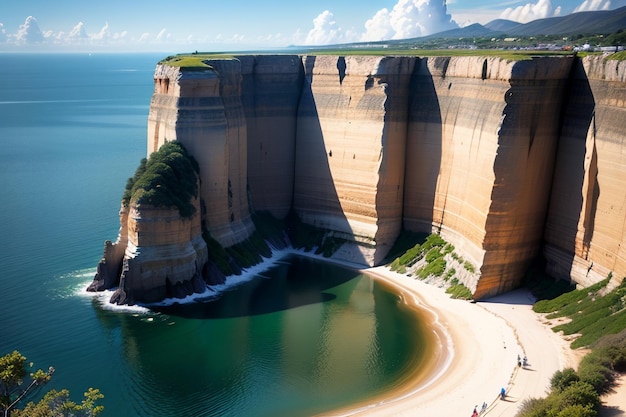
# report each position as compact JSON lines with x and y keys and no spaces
{"x":596,"y":22}
{"x":472,"y":31}
{"x":502,"y":25}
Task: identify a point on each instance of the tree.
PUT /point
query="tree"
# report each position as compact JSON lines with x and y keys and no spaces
{"x":54,"y":403}
{"x":58,"y":404}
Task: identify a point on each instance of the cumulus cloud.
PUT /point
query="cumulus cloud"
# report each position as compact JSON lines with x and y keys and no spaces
{"x":530,"y":11}
{"x":409,"y":19}
{"x":325,"y":29}
{"x":162,"y":35}
{"x":3,"y":33}
{"x":29,"y":32}
{"x":590,"y":5}
{"x":78,"y":33}
{"x":103,"y":34}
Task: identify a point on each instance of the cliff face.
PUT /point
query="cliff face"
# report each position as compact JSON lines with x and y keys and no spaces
{"x":203,"y":110}
{"x":482,"y":138}
{"x":507,"y":160}
{"x":586,"y":225}
{"x":158,"y":255}
{"x":350,"y":143}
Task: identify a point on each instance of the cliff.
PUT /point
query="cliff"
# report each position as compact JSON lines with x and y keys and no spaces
{"x":507,"y":160}
{"x":585,"y":229}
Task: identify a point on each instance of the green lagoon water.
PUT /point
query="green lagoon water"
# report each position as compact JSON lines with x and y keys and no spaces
{"x":294,"y":337}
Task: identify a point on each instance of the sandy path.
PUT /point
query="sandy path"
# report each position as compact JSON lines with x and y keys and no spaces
{"x":485,"y":339}
{"x":614,"y":404}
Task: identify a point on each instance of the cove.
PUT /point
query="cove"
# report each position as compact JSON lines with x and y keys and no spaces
{"x":302,"y":338}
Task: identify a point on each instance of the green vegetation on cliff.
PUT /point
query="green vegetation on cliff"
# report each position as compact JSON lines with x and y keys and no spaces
{"x":168,"y":178}
{"x":618,"y":56}
{"x":270,"y":233}
{"x":428,"y":259}
{"x":251,"y":251}
{"x":194,"y":61}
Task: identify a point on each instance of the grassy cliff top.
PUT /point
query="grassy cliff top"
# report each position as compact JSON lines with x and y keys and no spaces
{"x":193,"y":60}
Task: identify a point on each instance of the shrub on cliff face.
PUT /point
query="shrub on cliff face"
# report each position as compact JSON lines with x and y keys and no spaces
{"x":167,"y":179}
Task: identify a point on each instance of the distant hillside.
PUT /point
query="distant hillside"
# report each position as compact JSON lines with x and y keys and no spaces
{"x":598,"y":22}
{"x":472,"y":31}
{"x":502,"y":25}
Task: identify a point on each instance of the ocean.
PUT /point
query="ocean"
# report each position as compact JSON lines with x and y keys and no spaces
{"x":294,"y":337}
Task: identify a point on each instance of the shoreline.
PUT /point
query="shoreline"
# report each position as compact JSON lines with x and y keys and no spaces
{"x":482,"y":344}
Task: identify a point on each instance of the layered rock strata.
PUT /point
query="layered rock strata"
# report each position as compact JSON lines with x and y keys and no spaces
{"x":586,"y":226}
{"x":498,"y":156}
{"x":158,"y":255}
{"x":482,"y":137}
{"x":202,"y":109}
{"x":350,"y":145}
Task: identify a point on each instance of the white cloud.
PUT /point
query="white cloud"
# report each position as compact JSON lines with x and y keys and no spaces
{"x":162,"y":35}
{"x":530,"y":11}
{"x":590,"y":5}
{"x":326,"y":31}
{"x":103,"y":34}
{"x":3,"y":33}
{"x":120,"y":35}
{"x":378,"y":27}
{"x":78,"y":33}
{"x":409,"y":19}
{"x":29,"y":32}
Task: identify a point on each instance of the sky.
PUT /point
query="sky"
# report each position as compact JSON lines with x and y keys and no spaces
{"x":238,"y":25}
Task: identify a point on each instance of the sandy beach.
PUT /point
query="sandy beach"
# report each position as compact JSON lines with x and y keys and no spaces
{"x":483,"y":342}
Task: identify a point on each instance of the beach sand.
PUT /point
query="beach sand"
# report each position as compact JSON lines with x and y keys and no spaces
{"x":483,"y":341}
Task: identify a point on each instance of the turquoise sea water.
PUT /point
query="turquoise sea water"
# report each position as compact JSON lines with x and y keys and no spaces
{"x":300,"y":338}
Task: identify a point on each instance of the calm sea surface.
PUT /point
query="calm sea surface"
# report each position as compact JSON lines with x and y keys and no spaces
{"x":301,"y":337}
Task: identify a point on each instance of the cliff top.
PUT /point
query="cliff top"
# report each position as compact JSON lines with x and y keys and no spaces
{"x":196,"y":60}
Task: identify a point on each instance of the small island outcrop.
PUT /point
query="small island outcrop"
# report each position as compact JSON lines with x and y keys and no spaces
{"x":509,"y":161}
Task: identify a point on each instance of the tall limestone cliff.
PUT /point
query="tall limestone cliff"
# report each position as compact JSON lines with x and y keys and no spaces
{"x":350,"y":145}
{"x":508,"y":160}
{"x":482,"y":138}
{"x":586,"y":225}
{"x":202,"y":109}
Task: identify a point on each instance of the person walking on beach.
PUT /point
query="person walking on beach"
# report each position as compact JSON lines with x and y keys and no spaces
{"x":475,"y":413}
{"x":502,"y":393}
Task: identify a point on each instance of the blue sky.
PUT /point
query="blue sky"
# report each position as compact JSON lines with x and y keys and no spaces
{"x":208,"y":25}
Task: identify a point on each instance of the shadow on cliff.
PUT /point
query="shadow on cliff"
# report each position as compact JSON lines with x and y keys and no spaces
{"x":315,"y":197}
{"x":297,"y":282}
{"x":423,"y":147}
{"x":575,"y":188}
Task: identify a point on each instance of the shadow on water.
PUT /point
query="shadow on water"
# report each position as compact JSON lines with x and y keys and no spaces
{"x":297,"y":282}
{"x":575,"y":188}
